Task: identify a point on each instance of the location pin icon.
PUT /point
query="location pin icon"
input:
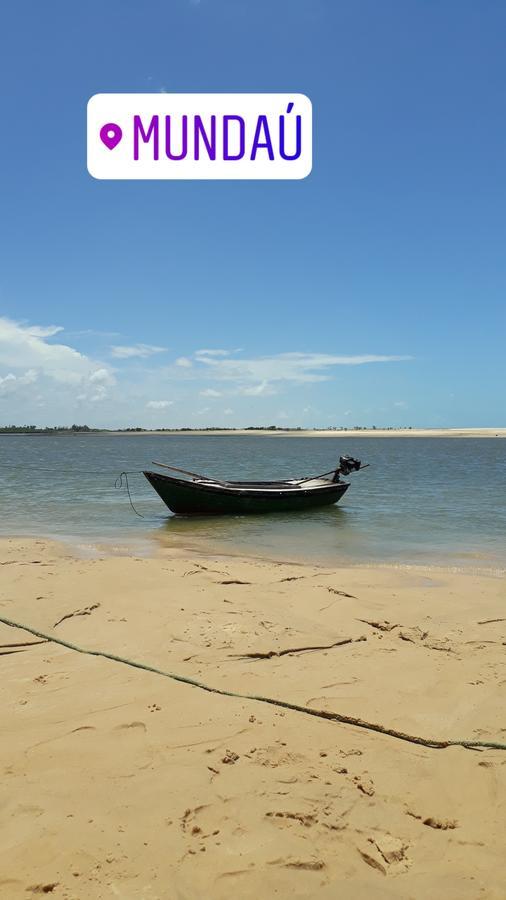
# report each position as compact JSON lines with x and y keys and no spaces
{"x":110,"y":135}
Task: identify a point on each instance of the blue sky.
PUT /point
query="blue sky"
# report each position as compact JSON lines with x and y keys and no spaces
{"x":393,"y":249}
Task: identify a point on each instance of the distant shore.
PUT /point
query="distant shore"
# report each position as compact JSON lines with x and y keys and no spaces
{"x":273,"y":432}
{"x":352,"y":432}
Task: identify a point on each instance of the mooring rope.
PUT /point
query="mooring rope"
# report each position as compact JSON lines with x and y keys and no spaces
{"x":432,"y":743}
{"x":58,"y":471}
{"x":119,"y":484}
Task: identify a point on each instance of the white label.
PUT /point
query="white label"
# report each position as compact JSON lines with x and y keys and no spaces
{"x":199,"y":136}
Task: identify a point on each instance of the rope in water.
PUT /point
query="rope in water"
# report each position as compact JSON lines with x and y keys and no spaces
{"x":119,"y":484}
{"x":59,"y":471}
{"x":283,"y":704}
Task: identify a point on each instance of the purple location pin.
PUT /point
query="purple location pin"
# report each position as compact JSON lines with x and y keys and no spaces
{"x":110,"y":135}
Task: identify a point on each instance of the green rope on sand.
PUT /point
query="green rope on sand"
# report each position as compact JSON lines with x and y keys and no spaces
{"x":283,"y":704}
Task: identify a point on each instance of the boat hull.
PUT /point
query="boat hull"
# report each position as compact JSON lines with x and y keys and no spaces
{"x":194,"y":499}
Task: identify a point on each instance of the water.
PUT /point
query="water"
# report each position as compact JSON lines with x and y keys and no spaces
{"x":435,"y":501}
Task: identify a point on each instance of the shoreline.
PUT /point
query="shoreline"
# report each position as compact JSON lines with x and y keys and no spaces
{"x":118,"y":780}
{"x":358,"y":433}
{"x":152,"y":546}
{"x":259,"y":432}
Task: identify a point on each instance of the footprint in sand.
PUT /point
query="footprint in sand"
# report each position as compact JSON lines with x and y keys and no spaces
{"x":131,"y":725}
{"x":364,"y":785}
{"x":195,"y":831}
{"x":437,"y":822}
{"x":440,"y":824}
{"x":416,"y":635}
{"x":188,"y":818}
{"x":272,"y":757}
{"x":308,"y":865}
{"x":230,"y":757}
{"x":43,"y":888}
{"x":386,"y":853}
{"x":305,"y":819}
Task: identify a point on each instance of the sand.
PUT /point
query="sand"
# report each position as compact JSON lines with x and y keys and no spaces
{"x":117,"y":782}
{"x":352,"y":432}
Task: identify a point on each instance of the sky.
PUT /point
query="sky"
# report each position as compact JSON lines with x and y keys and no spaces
{"x":370,"y":293}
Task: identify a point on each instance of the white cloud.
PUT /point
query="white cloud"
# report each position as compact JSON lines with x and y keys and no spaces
{"x":99,"y":395}
{"x":159,"y":404}
{"x":257,"y":390}
{"x":43,"y":330}
{"x":136,"y":350}
{"x":74,"y":386}
{"x":203,"y":353}
{"x":11,"y":384}
{"x":27,"y":355}
{"x":91,"y":332}
{"x":291,"y":367}
{"x":26,"y":346}
{"x":102,"y":376}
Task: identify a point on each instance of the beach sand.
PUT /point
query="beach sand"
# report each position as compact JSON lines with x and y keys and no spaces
{"x":117,"y":782}
{"x":334,"y":433}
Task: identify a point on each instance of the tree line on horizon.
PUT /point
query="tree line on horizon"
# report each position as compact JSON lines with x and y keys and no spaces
{"x":86,"y":429}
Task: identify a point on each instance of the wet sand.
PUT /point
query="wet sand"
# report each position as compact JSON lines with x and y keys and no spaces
{"x":118,"y":782}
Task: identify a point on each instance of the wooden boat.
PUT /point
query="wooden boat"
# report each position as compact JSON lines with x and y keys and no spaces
{"x":203,"y":496}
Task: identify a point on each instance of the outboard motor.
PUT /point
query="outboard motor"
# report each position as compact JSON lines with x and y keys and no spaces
{"x":347,"y":464}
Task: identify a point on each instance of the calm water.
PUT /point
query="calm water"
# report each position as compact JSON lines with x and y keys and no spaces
{"x":423,"y":500}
